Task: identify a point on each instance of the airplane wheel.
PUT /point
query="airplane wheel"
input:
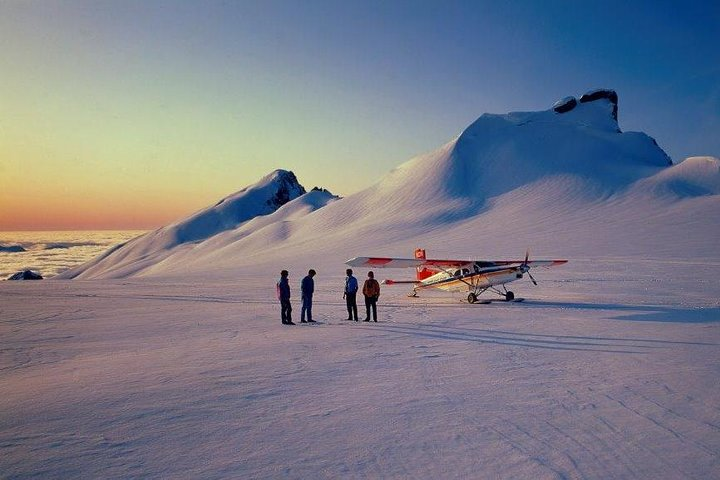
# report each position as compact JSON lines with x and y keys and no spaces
{"x":509,"y":296}
{"x":472,"y":298}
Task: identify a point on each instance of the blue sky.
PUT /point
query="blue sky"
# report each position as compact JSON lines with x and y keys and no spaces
{"x":176,"y":104}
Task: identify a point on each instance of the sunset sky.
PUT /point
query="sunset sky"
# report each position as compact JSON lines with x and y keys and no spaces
{"x":131,"y":114}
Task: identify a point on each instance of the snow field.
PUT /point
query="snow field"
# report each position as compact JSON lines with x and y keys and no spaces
{"x":608,"y":374}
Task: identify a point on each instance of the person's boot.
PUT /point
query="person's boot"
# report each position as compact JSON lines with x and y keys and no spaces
{"x":290,"y":322}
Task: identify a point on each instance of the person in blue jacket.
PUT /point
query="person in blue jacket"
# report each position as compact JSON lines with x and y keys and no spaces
{"x":283,"y":293}
{"x":307,"y":287}
{"x":351,"y":288}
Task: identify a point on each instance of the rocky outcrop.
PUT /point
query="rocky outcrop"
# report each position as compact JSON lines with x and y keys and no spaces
{"x":12,"y":249}
{"x":26,"y":275}
{"x":565,"y":105}
{"x":600,"y":94}
{"x":288,"y":188}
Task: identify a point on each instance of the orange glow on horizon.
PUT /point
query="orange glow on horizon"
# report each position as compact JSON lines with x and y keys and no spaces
{"x":67,"y":213}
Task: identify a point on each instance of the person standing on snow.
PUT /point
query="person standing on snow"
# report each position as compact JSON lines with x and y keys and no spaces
{"x":307,"y":287}
{"x":351,"y":288}
{"x":371,"y":291}
{"x":283,"y":294}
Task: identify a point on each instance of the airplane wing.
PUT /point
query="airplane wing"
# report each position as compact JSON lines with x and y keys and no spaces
{"x":531,"y":263}
{"x":545,"y":263}
{"x":447,"y":263}
{"x":385,"y":262}
{"x":388,"y":262}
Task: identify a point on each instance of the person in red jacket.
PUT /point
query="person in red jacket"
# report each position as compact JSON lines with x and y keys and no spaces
{"x":371,"y":291}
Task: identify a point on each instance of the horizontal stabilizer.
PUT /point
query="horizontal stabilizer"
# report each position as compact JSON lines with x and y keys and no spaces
{"x":398,"y":282}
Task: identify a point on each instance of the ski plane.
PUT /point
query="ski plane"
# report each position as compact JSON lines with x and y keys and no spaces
{"x":472,"y":276}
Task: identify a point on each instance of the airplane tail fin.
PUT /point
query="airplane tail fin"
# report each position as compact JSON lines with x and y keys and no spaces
{"x":422,"y":272}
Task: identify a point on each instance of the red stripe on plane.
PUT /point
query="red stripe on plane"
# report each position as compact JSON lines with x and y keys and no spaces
{"x":379,"y":261}
{"x":447,"y":263}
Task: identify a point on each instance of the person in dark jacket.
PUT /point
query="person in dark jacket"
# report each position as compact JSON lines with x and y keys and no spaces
{"x":351,"y":288}
{"x":283,"y":294}
{"x":307,"y":287}
{"x":371,"y":291}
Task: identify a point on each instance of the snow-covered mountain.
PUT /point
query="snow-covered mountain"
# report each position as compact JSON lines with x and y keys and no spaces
{"x":564,"y":181}
{"x":252,"y":202}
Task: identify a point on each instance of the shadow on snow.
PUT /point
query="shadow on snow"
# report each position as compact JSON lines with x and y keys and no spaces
{"x":644,"y":313}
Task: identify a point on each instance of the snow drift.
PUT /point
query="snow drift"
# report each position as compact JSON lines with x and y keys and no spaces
{"x":564,"y":181}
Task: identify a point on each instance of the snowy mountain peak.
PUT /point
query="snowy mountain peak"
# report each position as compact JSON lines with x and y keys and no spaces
{"x":261,"y":198}
{"x":282,"y":185}
{"x":500,"y":152}
{"x":596,"y":109}
{"x":286,"y":186}
{"x":279,"y":176}
{"x":603,"y":96}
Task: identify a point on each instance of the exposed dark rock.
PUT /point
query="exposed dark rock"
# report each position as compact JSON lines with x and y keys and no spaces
{"x":565,"y":105}
{"x":593,"y":95}
{"x":26,"y":275}
{"x":602,"y":93}
{"x":57,"y":246}
{"x":288,"y":184}
{"x":325,"y":190}
{"x":12,"y":249}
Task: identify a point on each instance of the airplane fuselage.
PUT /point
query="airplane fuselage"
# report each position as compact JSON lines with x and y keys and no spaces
{"x":465,"y":280}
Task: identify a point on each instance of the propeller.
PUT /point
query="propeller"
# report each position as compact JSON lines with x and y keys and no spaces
{"x":525,"y":267}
